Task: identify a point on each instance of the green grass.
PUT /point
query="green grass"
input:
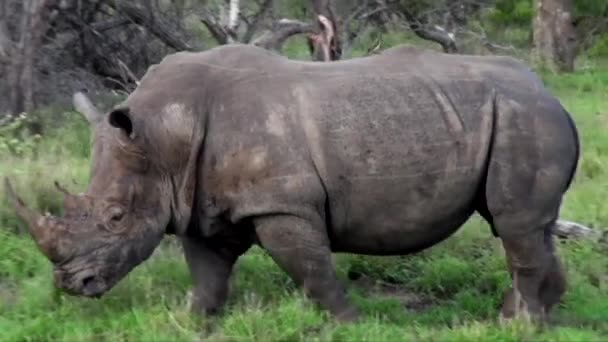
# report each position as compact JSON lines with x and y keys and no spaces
{"x":449,"y":292}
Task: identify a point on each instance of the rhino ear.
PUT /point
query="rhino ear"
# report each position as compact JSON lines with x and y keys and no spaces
{"x":120,"y":118}
{"x":84,"y":106}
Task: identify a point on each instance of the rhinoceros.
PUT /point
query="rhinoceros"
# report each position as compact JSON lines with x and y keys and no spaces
{"x":380,"y":155}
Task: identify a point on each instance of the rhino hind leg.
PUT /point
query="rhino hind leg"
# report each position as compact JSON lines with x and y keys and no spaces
{"x":523,"y":220}
{"x":530,"y":166}
{"x":301,"y":248}
{"x":529,"y":263}
{"x":554,"y":284}
{"x":551,"y":288}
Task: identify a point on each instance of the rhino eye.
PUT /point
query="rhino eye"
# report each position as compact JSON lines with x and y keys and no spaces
{"x":117,"y":217}
{"x":116,"y":214}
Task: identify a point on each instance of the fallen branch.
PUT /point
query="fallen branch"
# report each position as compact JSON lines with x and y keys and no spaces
{"x":569,"y":229}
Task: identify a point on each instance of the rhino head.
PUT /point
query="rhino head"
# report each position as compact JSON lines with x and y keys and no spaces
{"x":120,"y":219}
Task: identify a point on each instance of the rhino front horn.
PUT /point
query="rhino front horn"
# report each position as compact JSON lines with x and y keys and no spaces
{"x":40,"y":227}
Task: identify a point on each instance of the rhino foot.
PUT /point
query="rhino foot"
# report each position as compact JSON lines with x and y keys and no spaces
{"x":514,"y":307}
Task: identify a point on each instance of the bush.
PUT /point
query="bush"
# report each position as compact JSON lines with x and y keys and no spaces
{"x":509,"y":12}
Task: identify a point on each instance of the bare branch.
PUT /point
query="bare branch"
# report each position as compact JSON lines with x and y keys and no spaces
{"x":153,"y":24}
{"x":484,"y":40}
{"x":362,"y":18}
{"x":281,"y":31}
{"x":375,"y":49}
{"x":109,"y":24}
{"x":123,"y":88}
{"x":128,"y":72}
{"x":436,"y":34}
{"x":214,"y":27}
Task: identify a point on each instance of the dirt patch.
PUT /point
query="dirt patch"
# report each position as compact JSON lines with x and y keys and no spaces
{"x":377,"y":288}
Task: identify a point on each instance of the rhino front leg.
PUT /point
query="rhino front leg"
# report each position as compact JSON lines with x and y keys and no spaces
{"x":210,"y":264}
{"x":302,"y":249}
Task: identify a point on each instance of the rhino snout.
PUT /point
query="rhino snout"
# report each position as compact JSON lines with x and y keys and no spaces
{"x":84,"y":283}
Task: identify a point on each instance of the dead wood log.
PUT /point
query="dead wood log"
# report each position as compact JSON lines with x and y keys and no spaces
{"x":569,"y":229}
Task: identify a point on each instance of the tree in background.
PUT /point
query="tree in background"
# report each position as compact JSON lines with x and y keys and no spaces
{"x":51,"y":48}
{"x":19,"y":48}
{"x":555,"y":37}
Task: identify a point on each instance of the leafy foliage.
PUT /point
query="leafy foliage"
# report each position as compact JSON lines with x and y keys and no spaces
{"x":512,"y":12}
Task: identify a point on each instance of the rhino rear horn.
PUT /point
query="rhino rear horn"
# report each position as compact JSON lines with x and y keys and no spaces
{"x":84,"y":106}
{"x":71,"y":202}
{"x":40,"y":227}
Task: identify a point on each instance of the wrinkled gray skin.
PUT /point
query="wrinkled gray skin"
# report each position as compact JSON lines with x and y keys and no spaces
{"x":382,"y":155}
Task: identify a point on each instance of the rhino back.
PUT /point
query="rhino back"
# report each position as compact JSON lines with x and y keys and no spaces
{"x":389,"y":150}
{"x":381,"y":152}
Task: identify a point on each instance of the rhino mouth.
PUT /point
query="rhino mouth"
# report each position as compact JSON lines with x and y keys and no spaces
{"x":85,"y":283}
{"x":93,"y":287}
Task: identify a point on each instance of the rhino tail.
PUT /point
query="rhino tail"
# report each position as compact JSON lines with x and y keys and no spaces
{"x":481,"y":204}
{"x":577,"y":147}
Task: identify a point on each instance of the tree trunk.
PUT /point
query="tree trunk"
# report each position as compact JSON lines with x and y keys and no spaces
{"x":5,"y":40}
{"x":325,"y":45}
{"x":34,"y":24}
{"x":554,"y":35}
